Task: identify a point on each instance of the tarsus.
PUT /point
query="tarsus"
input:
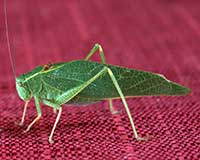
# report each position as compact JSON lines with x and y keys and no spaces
{"x":8,"y":40}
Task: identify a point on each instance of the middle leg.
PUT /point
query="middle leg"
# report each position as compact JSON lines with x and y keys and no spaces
{"x":55,"y":107}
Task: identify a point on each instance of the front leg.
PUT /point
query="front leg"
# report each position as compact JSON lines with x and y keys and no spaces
{"x":23,"y":115}
{"x":39,"y":114}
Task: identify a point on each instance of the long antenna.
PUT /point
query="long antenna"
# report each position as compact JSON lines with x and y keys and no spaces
{"x":8,"y":40}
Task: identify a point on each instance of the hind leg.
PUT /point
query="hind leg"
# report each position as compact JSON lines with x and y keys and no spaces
{"x":103,"y":61}
{"x":93,"y":50}
{"x":115,"y":83}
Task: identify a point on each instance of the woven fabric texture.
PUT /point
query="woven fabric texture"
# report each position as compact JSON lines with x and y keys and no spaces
{"x":158,"y":35}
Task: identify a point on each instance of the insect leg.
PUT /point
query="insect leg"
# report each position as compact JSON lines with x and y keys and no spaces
{"x":112,"y":110}
{"x":65,"y":97}
{"x":55,"y":124}
{"x":103,"y":60}
{"x":93,"y":50}
{"x":55,"y":106}
{"x":111,"y":105}
{"x":54,"y":110}
{"x":24,"y":113}
{"x":124,"y":103}
{"x":39,"y":112}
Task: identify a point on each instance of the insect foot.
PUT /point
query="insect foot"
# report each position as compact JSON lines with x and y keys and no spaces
{"x":34,"y":121}
{"x":51,"y":141}
{"x":142,"y":138}
{"x":112,"y":108}
{"x":19,"y":124}
{"x":116,"y":112}
{"x":25,"y":131}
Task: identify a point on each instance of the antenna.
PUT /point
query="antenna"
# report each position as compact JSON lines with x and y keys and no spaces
{"x":8,"y":40}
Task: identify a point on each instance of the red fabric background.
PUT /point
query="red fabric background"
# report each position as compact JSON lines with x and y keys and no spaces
{"x":155,"y":35}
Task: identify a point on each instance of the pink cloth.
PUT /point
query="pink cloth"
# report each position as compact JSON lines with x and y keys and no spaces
{"x":158,"y":35}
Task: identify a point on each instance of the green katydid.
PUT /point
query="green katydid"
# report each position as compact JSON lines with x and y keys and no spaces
{"x":85,"y":82}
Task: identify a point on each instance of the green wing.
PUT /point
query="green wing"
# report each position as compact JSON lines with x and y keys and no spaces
{"x":132,"y":82}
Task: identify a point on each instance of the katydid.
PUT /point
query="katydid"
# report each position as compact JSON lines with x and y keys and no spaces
{"x":81,"y":82}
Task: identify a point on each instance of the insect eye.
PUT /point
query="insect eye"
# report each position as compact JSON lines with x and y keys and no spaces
{"x":47,"y":66}
{"x":21,"y":84}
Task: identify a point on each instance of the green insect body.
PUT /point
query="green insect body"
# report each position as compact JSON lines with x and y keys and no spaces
{"x":83,"y":82}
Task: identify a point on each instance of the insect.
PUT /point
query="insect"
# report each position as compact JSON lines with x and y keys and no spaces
{"x":84,"y":82}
